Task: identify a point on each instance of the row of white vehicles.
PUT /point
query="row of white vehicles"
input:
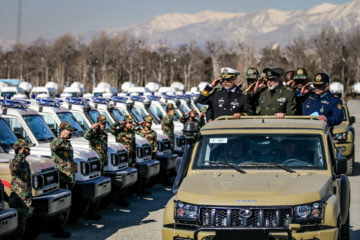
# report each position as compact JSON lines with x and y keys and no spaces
{"x":38,"y":120}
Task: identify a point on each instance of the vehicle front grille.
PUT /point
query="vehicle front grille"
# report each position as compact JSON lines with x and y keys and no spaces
{"x":181,"y":141}
{"x":240,"y":217}
{"x":50,"y":178}
{"x":147,"y":151}
{"x":94,"y":166}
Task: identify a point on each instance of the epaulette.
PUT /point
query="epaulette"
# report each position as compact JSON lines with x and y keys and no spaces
{"x":336,"y":96}
{"x":289,"y":89}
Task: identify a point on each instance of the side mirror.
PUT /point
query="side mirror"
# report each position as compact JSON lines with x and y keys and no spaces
{"x":177,"y":163}
{"x":352,"y":120}
{"x":341,"y":165}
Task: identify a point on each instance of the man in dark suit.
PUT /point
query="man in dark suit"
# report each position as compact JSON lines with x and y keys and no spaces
{"x":227,"y":100}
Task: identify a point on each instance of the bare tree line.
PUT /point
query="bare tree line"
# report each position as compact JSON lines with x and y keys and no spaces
{"x":119,"y":58}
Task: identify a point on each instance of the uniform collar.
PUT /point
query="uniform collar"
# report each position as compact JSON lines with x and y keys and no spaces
{"x":325,"y":94}
{"x":232,"y":90}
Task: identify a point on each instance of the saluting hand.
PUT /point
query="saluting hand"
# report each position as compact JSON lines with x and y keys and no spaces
{"x":142,"y":123}
{"x":305,"y":89}
{"x":259,"y":84}
{"x":215,"y":82}
{"x":201,"y":115}
{"x":251,"y":87}
{"x":95,"y":125}
{"x":240,"y":84}
{"x":291,"y":83}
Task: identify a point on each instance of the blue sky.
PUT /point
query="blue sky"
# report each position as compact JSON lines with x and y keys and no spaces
{"x":52,"y":18}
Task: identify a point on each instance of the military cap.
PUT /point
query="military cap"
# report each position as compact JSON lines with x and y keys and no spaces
{"x":203,"y":109}
{"x":170,"y":106}
{"x":128,"y":118}
{"x":301,"y":74}
{"x":148,"y":119}
{"x":194,"y":110}
{"x":67,"y":126}
{"x":228,"y":73}
{"x":252,"y":74}
{"x":20,"y":143}
{"x":321,"y":78}
{"x":272,"y":73}
{"x":101,"y":119}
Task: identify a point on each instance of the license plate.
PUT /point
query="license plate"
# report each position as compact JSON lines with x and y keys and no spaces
{"x":61,"y":201}
{"x":242,"y":234}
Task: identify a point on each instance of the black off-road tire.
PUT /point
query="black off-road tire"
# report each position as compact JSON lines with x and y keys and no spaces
{"x":351,"y":164}
{"x":344,"y":231}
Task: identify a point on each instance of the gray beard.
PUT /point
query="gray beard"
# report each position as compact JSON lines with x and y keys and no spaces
{"x":274,"y":86}
{"x":231,"y":87}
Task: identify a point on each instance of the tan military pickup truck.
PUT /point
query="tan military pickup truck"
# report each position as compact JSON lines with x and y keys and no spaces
{"x":259,"y":178}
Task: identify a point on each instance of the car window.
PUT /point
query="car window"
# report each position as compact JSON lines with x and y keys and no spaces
{"x":50,"y":121}
{"x":80,"y":118}
{"x":118,"y":115}
{"x":94,"y":115}
{"x":69,"y":117}
{"x":303,"y":151}
{"x":17,"y":128}
{"x":39,"y":128}
{"x":157,"y":111}
{"x":7,"y":137}
{"x":108,"y":118}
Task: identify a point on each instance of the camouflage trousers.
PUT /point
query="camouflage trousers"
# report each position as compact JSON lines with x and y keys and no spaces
{"x":23,"y":212}
{"x":171,"y":136}
{"x":132,"y":153}
{"x":60,"y":219}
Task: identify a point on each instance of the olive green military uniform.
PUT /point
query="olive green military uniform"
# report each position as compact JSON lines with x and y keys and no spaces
{"x":149,"y":135}
{"x":126,"y":137}
{"x":98,"y":141}
{"x":21,"y":189}
{"x":167,"y":125}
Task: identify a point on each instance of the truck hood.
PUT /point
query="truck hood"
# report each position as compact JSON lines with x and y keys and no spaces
{"x":341,"y":128}
{"x":255,"y":189}
{"x":80,"y":142}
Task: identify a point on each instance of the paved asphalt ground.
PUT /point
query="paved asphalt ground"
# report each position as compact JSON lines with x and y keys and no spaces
{"x":143,"y":219}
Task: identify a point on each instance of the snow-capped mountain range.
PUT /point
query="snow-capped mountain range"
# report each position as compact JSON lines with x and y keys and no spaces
{"x":263,"y":27}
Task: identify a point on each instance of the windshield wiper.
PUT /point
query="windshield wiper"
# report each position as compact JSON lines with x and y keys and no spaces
{"x":233,"y":166}
{"x":282,"y":166}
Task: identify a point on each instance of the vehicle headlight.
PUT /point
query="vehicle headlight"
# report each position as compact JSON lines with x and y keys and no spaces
{"x":114,"y":160}
{"x":160,"y":147}
{"x":37,"y":182}
{"x":340,"y":136}
{"x":185,"y":211}
{"x":85,"y":168}
{"x":139,"y":152}
{"x":308,"y":212}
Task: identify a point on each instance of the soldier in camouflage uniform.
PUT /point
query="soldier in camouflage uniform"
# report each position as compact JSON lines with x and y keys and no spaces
{"x":98,"y":139}
{"x":63,"y":155}
{"x":21,"y":189}
{"x":124,"y":133}
{"x":167,"y":123}
{"x":149,"y":134}
{"x":191,"y":117}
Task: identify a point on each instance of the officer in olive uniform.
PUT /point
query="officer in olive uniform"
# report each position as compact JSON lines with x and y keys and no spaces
{"x":321,"y":102}
{"x":124,"y":133}
{"x":251,"y":76}
{"x":98,"y":140}
{"x":149,"y":134}
{"x":275,"y":99}
{"x":167,"y":123}
{"x":63,"y":155}
{"x":191,"y":117}
{"x":21,"y":189}
{"x":228,"y":100}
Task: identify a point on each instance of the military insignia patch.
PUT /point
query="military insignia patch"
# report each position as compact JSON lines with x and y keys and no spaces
{"x":205,"y":93}
{"x":225,"y":71}
{"x":300,"y":72}
{"x":318,"y":78}
{"x":269,"y":73}
{"x":250,"y":71}
{"x":339,"y":106}
{"x":26,"y":177}
{"x":262,"y":74}
{"x":97,"y":145}
{"x":123,"y":138}
{"x":66,"y":154}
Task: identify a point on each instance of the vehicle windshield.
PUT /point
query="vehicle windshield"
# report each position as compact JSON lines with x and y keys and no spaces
{"x":157,"y":111}
{"x":7,"y":94}
{"x":69,"y":117}
{"x":97,"y":94}
{"x":39,"y":128}
{"x":80,"y":117}
{"x":177,"y":113}
{"x":200,"y":106}
{"x":296,"y":151}
{"x":108,"y":117}
{"x":94,"y":115}
{"x":137,"y":115}
{"x":154,"y":114}
{"x":7,"y":137}
{"x":184,"y":108}
{"x":118,"y":115}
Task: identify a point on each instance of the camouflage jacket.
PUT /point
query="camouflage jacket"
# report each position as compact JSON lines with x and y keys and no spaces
{"x":98,"y":141}
{"x":63,"y":155}
{"x":151,"y":136}
{"x":127,"y":138}
{"x":199,"y":123}
{"x":21,"y":178}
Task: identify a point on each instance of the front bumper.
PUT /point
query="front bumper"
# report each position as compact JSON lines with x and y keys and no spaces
{"x":93,"y":189}
{"x":148,"y":169}
{"x":8,"y":221}
{"x":348,"y":148}
{"x":52,"y":203}
{"x":169,"y":233}
{"x":167,"y":162}
{"x":123,"y":178}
